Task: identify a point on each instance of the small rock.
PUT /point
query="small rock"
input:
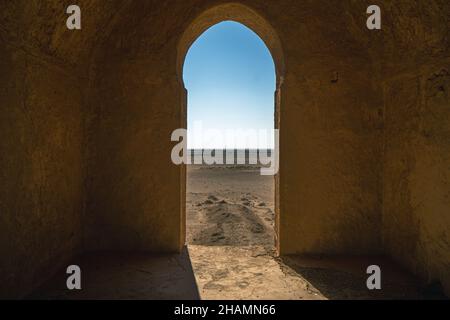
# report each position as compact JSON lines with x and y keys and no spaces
{"x":212,"y":198}
{"x":257,"y":228}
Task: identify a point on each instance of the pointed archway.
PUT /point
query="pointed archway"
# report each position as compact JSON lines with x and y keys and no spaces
{"x":251,"y":19}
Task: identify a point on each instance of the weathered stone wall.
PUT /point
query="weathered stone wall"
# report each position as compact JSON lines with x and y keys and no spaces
{"x":416,"y":178}
{"x":416,"y":219}
{"x":330,"y":129}
{"x":41,"y":170}
{"x":134,"y":189}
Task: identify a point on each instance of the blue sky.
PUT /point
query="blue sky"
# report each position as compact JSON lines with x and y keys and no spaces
{"x":230,"y":77}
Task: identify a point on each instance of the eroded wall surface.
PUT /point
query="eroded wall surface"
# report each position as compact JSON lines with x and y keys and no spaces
{"x":330,"y":129}
{"x":134,"y":196}
{"x":41,"y":173}
{"x":416,"y":177}
{"x":416,"y":218}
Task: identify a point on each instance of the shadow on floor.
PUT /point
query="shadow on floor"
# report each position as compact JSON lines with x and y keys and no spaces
{"x":127,"y":276}
{"x":231,"y":273}
{"x":342,"y":278}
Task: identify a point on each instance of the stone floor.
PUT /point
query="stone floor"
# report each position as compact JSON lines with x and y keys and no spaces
{"x":221,"y":272}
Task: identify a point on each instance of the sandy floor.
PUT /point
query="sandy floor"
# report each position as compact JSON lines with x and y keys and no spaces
{"x":231,"y":206}
{"x":230,"y":255}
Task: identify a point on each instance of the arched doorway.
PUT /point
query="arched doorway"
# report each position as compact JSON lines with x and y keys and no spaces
{"x":256,"y":23}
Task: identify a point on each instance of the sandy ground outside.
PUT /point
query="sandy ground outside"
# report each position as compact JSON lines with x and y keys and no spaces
{"x":230,"y":255}
{"x":229,"y":206}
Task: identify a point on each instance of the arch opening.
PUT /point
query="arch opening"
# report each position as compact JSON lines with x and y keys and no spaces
{"x":249,"y":19}
{"x":238,"y":13}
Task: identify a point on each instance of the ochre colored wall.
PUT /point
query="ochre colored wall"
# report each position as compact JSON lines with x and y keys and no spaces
{"x":330,"y":132}
{"x":41,"y":189}
{"x":416,"y":217}
{"x":416,"y":175}
{"x":134,"y":189}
